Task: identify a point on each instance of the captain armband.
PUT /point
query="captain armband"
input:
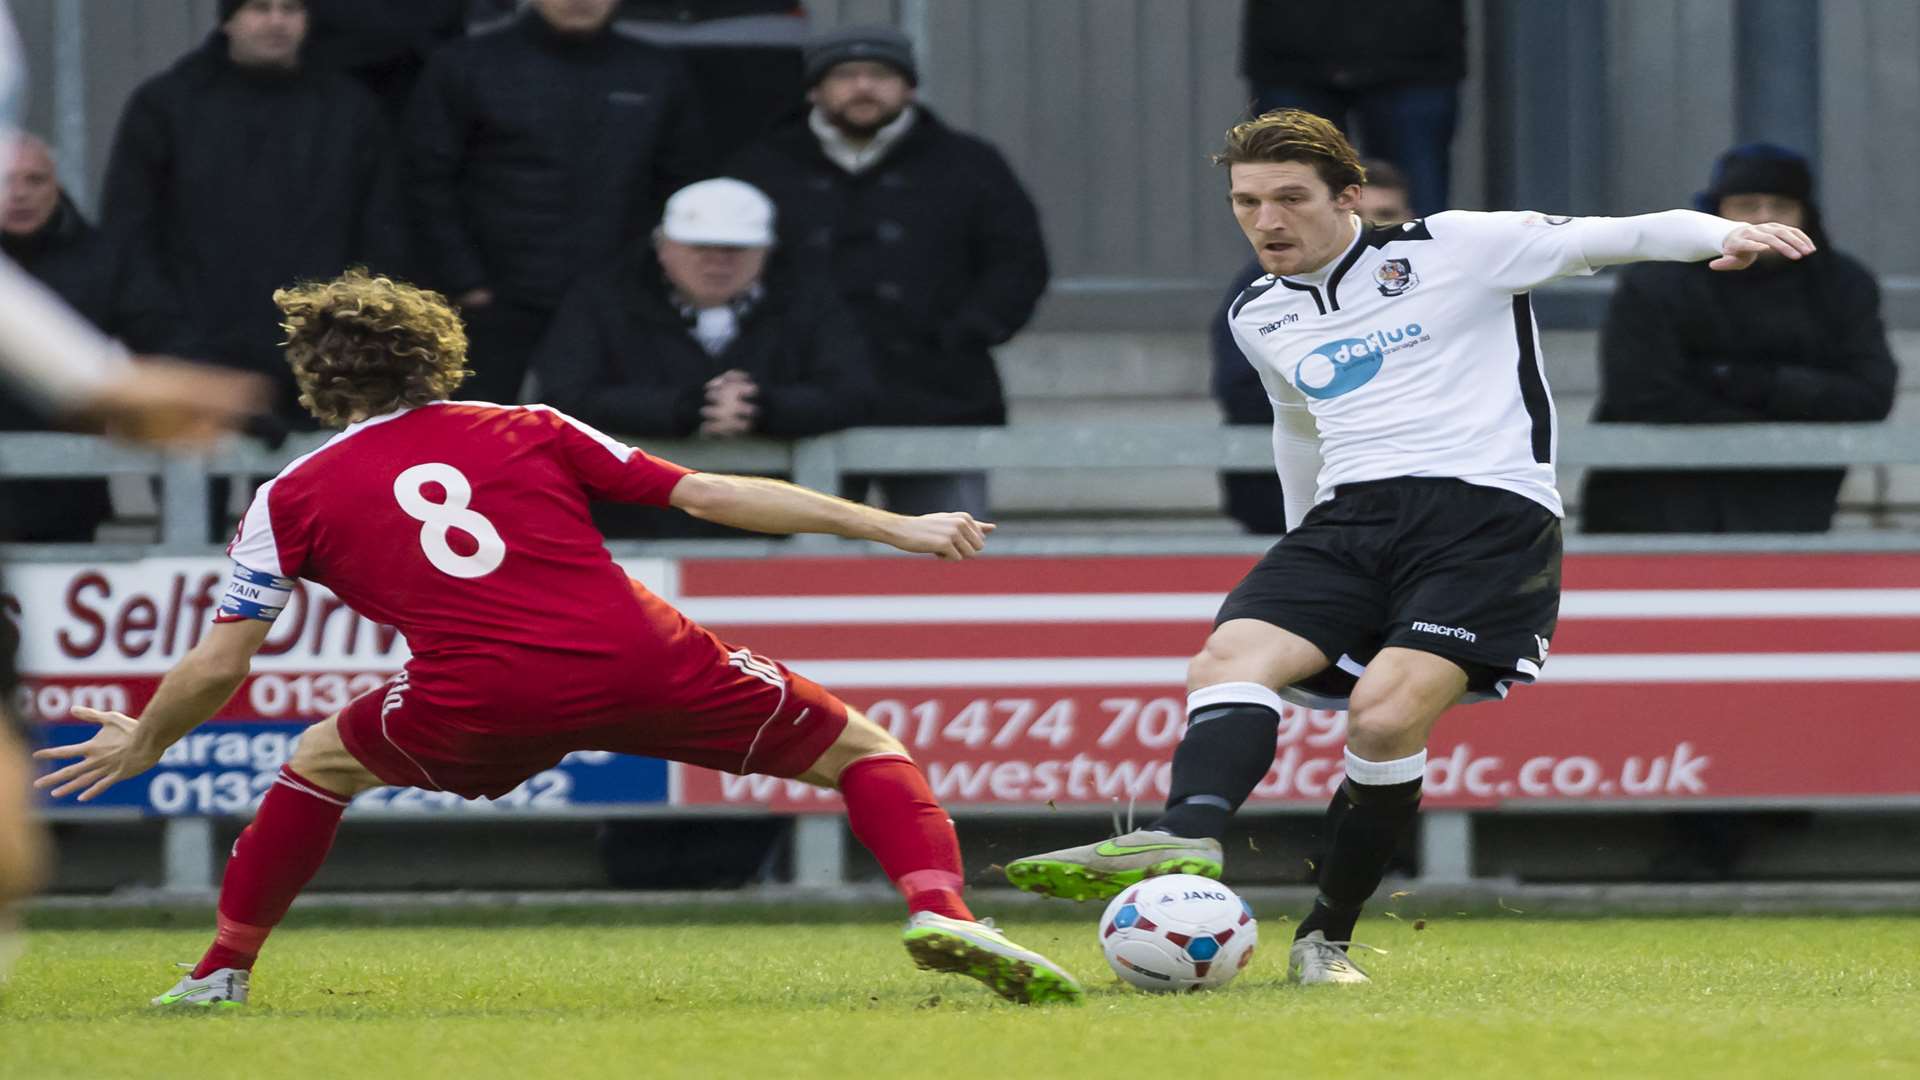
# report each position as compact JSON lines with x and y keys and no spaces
{"x":254,"y":595}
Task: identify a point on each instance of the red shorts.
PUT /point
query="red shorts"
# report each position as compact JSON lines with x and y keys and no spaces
{"x":742,"y":714}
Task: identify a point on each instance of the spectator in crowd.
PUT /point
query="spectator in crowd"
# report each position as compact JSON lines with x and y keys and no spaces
{"x":1385,"y":198}
{"x":538,"y":151}
{"x":1786,"y":341}
{"x":1395,"y":68}
{"x":930,"y":238}
{"x":381,"y":43}
{"x":1253,"y":498}
{"x":711,"y":332}
{"x":238,"y":171}
{"x":42,"y":231}
{"x":743,"y":58}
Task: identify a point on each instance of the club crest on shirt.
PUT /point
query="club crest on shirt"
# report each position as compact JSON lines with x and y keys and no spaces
{"x":1395,"y":276}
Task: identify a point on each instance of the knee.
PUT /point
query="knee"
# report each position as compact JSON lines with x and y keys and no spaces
{"x":1218,"y":661}
{"x":859,"y":740}
{"x":1382,"y":725}
{"x":872,"y":740}
{"x":323,"y":759}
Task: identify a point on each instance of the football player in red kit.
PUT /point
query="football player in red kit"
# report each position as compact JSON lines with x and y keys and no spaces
{"x":466,"y":526}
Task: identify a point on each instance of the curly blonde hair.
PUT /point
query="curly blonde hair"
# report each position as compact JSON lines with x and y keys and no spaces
{"x":1295,"y":135}
{"x":364,"y":344}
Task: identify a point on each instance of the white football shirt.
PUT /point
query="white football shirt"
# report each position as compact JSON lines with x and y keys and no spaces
{"x":1416,"y":350}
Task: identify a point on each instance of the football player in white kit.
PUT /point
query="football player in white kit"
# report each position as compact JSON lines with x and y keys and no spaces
{"x":1414,"y":436}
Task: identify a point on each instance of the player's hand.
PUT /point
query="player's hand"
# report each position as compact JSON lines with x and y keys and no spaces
{"x":1748,"y":242}
{"x":105,"y":760}
{"x":170,"y":402}
{"x":952,"y":537}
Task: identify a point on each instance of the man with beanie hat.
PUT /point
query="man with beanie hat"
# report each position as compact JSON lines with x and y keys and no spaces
{"x":929,"y":237}
{"x":239,"y":170}
{"x":537,"y":152}
{"x":1788,"y":341}
{"x":880,"y":44}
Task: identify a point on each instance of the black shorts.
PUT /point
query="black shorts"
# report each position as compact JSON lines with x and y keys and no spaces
{"x":1466,"y":572}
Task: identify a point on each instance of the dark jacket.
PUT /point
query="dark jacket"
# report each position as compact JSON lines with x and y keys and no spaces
{"x":534,"y":156}
{"x":1779,"y":342}
{"x":936,"y":249}
{"x":1353,"y":46}
{"x":226,"y":184}
{"x":1235,"y":383}
{"x":71,"y":258}
{"x":621,"y":355}
{"x":1252,"y":498}
{"x":94,"y":276}
{"x":381,"y":43}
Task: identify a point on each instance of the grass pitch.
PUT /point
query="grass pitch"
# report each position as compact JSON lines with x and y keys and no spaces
{"x":734,"y":992}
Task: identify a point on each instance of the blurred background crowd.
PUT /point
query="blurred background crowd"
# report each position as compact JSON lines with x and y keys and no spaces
{"x":719,"y":220}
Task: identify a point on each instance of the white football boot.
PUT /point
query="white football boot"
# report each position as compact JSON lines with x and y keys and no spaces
{"x":980,"y":951}
{"x":1315,"y":961}
{"x":225,"y":988}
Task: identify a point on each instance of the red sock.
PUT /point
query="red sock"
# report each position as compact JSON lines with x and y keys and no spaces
{"x":272,"y":861}
{"x":893,"y":813}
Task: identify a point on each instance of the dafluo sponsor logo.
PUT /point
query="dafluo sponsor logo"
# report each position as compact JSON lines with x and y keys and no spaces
{"x":1343,"y":366}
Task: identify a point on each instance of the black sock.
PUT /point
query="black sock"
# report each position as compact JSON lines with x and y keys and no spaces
{"x":1227,"y":750}
{"x":1365,"y":824}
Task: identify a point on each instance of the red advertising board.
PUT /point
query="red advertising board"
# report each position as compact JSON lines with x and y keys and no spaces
{"x":1022,"y":681}
{"x":1029,"y":681}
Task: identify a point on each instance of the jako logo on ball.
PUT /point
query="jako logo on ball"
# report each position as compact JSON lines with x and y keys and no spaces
{"x":1178,"y":932}
{"x":1341,"y":367}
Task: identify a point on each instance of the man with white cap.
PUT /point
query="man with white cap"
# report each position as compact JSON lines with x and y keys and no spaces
{"x":713,"y":332}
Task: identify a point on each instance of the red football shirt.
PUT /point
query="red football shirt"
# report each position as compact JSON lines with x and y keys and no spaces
{"x":465,"y":525}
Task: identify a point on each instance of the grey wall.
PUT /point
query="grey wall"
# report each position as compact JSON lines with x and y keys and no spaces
{"x":1108,"y":107}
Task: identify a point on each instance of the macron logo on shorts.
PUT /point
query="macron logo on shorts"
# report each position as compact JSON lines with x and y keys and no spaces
{"x":1446,"y":631}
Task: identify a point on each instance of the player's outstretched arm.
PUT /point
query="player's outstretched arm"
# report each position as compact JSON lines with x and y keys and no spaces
{"x":90,"y":381}
{"x":189,"y":696}
{"x":772,"y":506}
{"x":1684,"y":236}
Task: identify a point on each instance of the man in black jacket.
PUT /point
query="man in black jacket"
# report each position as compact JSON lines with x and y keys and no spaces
{"x":1787,"y":341}
{"x":42,"y":231}
{"x":931,"y":239}
{"x":539,"y":151}
{"x":238,"y":171}
{"x":1396,"y":68}
{"x":383,"y":44}
{"x":711,"y":333}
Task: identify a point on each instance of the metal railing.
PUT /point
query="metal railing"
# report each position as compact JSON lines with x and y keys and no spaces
{"x":822,"y":461}
{"x":820,"y":841}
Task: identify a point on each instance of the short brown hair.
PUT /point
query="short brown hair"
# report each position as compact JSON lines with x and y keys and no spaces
{"x":1295,"y":135}
{"x":364,"y":344}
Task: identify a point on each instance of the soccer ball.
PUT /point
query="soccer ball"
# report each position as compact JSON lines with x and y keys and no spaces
{"x":1178,"y":932}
